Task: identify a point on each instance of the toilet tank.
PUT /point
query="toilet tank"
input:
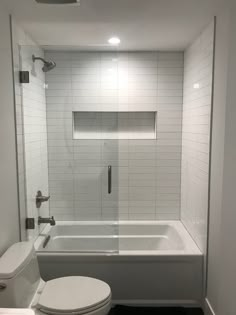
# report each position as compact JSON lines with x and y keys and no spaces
{"x":19,"y":275}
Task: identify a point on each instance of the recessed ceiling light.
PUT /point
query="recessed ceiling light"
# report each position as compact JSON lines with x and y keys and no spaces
{"x":58,"y":1}
{"x":114,"y":41}
{"x":196,"y":86}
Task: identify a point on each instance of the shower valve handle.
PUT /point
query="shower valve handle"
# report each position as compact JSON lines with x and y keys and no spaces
{"x":40,"y":198}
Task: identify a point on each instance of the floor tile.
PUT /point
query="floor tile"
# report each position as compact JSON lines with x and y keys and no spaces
{"x":126,"y":310}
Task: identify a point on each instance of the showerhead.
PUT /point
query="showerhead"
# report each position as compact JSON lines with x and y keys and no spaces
{"x":48,"y":65}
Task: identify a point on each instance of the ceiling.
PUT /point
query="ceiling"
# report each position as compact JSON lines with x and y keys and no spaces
{"x":140,"y":24}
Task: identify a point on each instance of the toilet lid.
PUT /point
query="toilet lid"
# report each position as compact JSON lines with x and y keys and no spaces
{"x":73,"y":295}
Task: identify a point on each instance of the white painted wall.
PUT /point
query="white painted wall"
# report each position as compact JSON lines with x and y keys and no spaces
{"x":222,"y":246}
{"x":198,"y":69}
{"x":146,"y":173}
{"x":218,"y":134}
{"x":9,"y":227}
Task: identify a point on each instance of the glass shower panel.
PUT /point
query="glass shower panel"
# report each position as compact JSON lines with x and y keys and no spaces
{"x":70,"y":144}
{"x":32,"y":145}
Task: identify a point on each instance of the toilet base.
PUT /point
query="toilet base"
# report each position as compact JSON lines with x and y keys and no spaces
{"x":104,"y":310}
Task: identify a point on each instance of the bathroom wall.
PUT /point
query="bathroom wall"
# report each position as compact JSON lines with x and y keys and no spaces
{"x":146,"y":173}
{"x":9,"y":225}
{"x":198,"y":71}
{"x":221,"y":278}
{"x":31,"y":129}
{"x":217,"y":162}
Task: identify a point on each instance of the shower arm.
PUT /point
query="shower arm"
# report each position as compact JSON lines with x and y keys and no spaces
{"x":37,"y":58}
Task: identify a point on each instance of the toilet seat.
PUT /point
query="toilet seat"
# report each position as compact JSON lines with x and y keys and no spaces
{"x":74,"y":295}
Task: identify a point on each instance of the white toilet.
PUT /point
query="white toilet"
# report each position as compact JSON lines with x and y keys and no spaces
{"x":22,"y":287}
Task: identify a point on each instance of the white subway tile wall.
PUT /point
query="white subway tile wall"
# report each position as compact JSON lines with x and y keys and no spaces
{"x":146,"y":173}
{"x":198,"y":73}
{"x":31,"y":130}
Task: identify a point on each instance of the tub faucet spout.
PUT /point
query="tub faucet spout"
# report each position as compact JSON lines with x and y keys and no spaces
{"x":49,"y":220}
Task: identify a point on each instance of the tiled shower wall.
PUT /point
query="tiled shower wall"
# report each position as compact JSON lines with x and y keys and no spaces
{"x":198,"y":73}
{"x":146,"y":173}
{"x":31,"y":130}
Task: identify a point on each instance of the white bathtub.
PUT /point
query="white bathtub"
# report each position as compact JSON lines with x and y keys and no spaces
{"x":125,"y":238}
{"x":154,"y":263}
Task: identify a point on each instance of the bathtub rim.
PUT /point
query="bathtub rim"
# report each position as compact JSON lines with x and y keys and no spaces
{"x":191,"y":248}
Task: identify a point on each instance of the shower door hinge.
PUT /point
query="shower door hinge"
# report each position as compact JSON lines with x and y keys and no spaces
{"x":24,"y":77}
{"x":29,"y":223}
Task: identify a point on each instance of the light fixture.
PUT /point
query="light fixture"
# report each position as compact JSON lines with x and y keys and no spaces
{"x":196,"y":86}
{"x":114,"y":41}
{"x":58,"y":1}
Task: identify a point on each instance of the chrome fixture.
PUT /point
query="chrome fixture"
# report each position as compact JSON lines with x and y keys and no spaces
{"x":48,"y":65}
{"x":109,"y":179}
{"x":49,"y":220}
{"x":40,"y":198}
{"x":58,"y":1}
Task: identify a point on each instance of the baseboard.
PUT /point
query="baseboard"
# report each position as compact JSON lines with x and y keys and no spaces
{"x":208,"y":308}
{"x":160,"y":303}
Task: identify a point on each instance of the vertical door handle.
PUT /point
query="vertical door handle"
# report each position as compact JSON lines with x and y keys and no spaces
{"x":109,"y":179}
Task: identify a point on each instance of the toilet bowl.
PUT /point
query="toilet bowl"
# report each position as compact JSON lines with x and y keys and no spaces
{"x":22,"y":287}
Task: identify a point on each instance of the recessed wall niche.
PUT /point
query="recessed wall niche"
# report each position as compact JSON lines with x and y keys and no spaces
{"x":114,"y":125}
